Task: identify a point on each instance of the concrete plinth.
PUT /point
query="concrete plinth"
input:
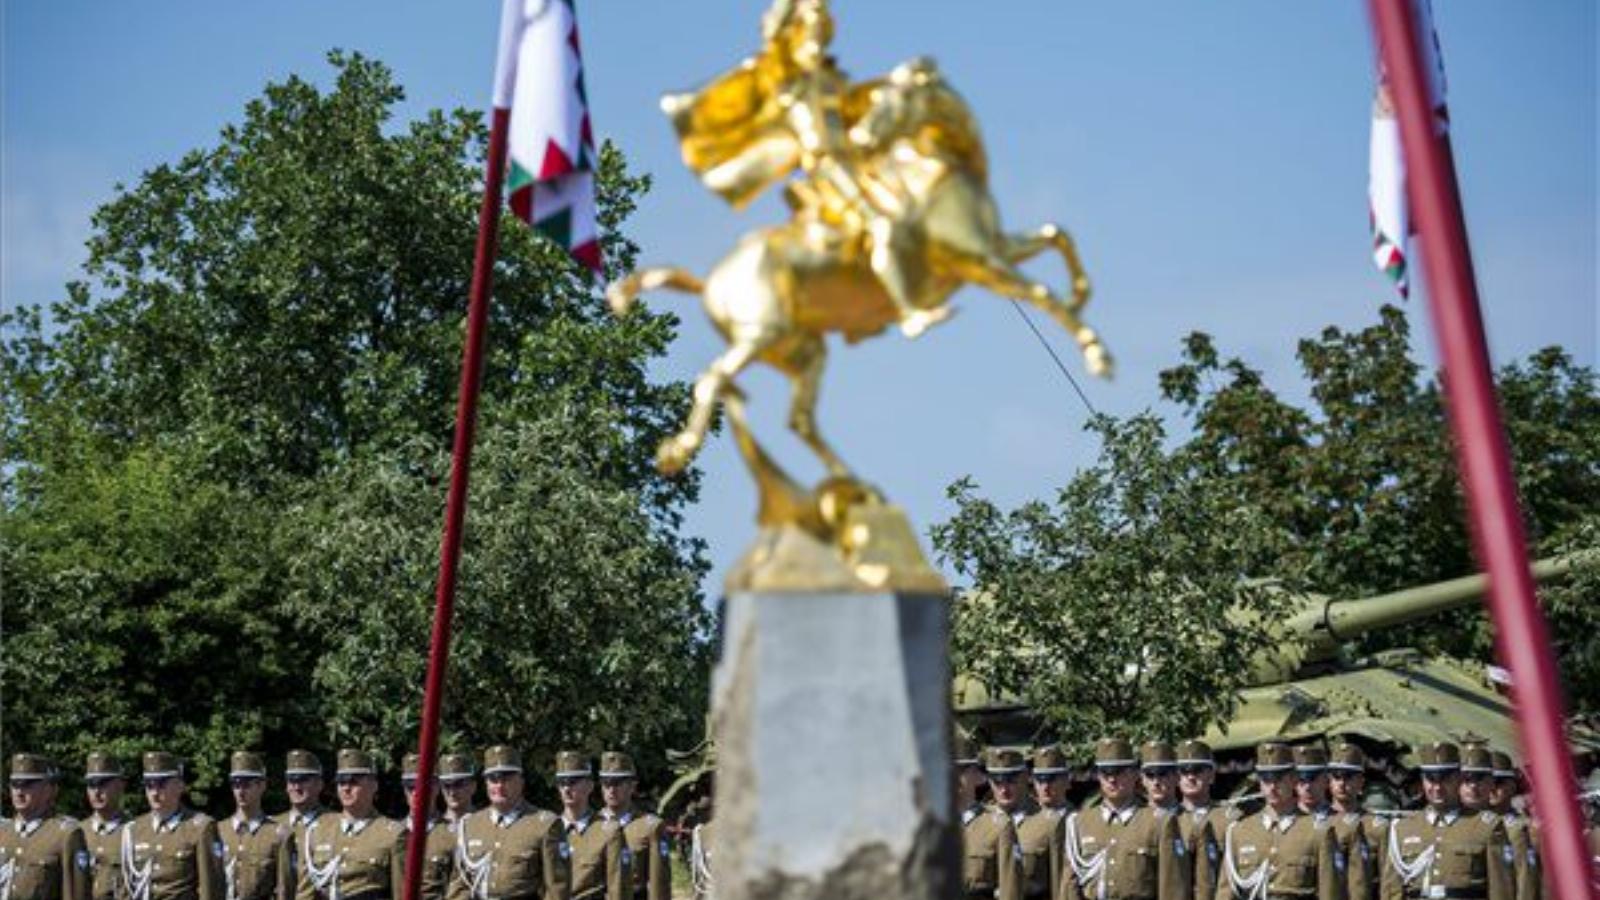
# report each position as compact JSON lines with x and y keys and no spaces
{"x":832,"y":721}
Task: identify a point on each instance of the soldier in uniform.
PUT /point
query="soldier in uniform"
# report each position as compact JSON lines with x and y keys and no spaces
{"x":511,"y":849}
{"x":601,"y":861}
{"x":1041,"y":831}
{"x":103,"y":784}
{"x":171,"y":852}
{"x":644,"y":834}
{"x":1311,"y":782}
{"x":991,"y":858}
{"x":458,"y":782}
{"x":1478,"y":793}
{"x":1119,"y":848}
{"x":1052,"y":778}
{"x":439,"y":843}
{"x":352,"y":856}
{"x":302,"y":781}
{"x":253,"y":843}
{"x":1360,"y":834}
{"x":1279,"y":852}
{"x":1446,"y":851}
{"x":1200,"y":822}
{"x":1158,"y":770}
{"x":42,"y":855}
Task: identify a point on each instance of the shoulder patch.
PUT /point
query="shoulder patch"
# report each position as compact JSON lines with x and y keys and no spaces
{"x":1339,"y":862}
{"x":564,"y":849}
{"x":1508,"y":854}
{"x":1016,"y":851}
{"x":666,"y":848}
{"x":627,"y":856}
{"x":1178,"y":848}
{"x":216,"y":849}
{"x":81,"y":860}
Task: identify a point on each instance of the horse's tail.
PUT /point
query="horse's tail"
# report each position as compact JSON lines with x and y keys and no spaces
{"x":624,"y":291}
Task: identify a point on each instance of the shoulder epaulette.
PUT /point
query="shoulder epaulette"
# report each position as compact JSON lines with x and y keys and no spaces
{"x":609,"y":824}
{"x":1489,"y":816}
{"x":67,"y":823}
{"x":198,"y":818}
{"x":393,"y":825}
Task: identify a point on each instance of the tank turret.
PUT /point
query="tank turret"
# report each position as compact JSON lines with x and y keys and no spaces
{"x":1315,"y":632}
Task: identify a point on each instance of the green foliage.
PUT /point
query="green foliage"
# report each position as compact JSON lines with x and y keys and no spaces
{"x":226,"y":453}
{"x":1108,"y":609}
{"x":1118,"y":606}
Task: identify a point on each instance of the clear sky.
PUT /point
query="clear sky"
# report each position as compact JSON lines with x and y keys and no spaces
{"x":1210,"y":157}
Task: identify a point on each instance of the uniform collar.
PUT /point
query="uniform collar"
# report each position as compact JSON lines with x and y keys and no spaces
{"x":170,"y":823}
{"x":1124,"y":815}
{"x":578,"y":825}
{"x":1017,"y":815}
{"x":971,"y":812}
{"x":296,"y":817}
{"x":350,"y":825}
{"x":103,"y":825}
{"x":621,"y":818}
{"x":1198,"y":811}
{"x":507,"y":818}
{"x":240,"y":823}
{"x":1276,"y":821}
{"x":1449,"y":816}
{"x":26,"y":827}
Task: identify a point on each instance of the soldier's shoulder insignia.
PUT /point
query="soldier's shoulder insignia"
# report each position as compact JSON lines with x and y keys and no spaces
{"x":1339,"y":862}
{"x":1508,"y":854}
{"x":395,"y":826}
{"x":199,"y":819}
{"x":216,"y":849}
{"x":1212,"y":851}
{"x":627,"y":856}
{"x":1016,"y":851}
{"x":1533,"y":857}
{"x":666,"y":848}
{"x":1488,"y":817}
{"x":564,"y":849}
{"x":67,"y":823}
{"x":1351,"y":818}
{"x":1178,"y":847}
{"x":81,"y":860}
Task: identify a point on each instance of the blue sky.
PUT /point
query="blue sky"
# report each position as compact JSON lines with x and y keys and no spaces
{"x":1209,"y":157}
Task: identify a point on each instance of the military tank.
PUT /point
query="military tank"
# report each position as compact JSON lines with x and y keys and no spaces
{"x":1313,"y":685}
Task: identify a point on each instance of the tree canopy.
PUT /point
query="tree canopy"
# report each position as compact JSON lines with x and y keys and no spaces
{"x":226,"y":449}
{"x":1108,"y":606}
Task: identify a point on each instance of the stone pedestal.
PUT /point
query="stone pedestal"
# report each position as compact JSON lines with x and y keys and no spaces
{"x":832,"y":722}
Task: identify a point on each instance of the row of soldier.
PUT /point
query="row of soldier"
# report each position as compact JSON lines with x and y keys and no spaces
{"x":509,"y":849}
{"x":1312,"y":837}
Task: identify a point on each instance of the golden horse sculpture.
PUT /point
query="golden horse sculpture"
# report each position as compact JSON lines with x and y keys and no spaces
{"x":891,"y":213}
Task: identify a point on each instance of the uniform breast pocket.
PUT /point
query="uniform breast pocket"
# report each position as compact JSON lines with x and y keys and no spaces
{"x":1144,"y":866}
{"x":979,"y":868}
{"x":523,"y":863}
{"x":1300,"y":873}
{"x":1464,"y":863}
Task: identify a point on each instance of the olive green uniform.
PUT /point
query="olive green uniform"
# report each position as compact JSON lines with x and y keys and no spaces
{"x":354,"y":859}
{"x":1042,"y":836}
{"x":289,"y":862}
{"x":991,"y":863}
{"x":1132,"y":853}
{"x":1202,"y":829}
{"x":175,"y":858}
{"x":1357,"y":836}
{"x":438,"y":856}
{"x":103,"y":838}
{"x":651,"y":850}
{"x":600,"y":859}
{"x":43,"y":859}
{"x":252,"y":858}
{"x":1455,"y":854}
{"x":519,"y":855}
{"x":1524,"y":838}
{"x":1290,"y":854}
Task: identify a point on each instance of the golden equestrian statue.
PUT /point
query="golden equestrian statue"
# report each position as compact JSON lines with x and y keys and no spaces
{"x":891,"y":213}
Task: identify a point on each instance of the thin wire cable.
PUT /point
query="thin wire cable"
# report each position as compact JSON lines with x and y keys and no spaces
{"x":1051,"y":350}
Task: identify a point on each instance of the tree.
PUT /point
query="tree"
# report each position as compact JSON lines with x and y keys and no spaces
{"x":225,"y":454}
{"x":1141,"y":552}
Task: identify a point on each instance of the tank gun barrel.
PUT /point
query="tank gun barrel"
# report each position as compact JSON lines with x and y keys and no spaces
{"x":1347,"y":620}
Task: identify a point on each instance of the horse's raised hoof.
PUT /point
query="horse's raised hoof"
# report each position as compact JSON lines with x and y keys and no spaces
{"x":675,"y":452}
{"x":1098,"y":360}
{"x":915,"y":323}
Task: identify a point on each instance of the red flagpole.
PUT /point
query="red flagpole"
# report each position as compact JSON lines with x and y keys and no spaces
{"x":456,"y":504}
{"x":1521,"y":638}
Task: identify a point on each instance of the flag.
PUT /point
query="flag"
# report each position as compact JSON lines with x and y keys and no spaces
{"x":539,"y":78}
{"x":1386,"y":185}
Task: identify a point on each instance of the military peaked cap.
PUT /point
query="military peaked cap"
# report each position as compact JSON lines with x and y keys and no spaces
{"x":1439,"y":756}
{"x":161,"y":764}
{"x":1113,"y":751}
{"x":1003,"y":761}
{"x":1504,"y":767}
{"x":302,"y":762}
{"x":1348,"y":758}
{"x":501,"y":758}
{"x":102,"y":765}
{"x":1274,"y":757}
{"x":616,"y":764}
{"x":572,"y":764}
{"x":966,"y":751}
{"x":245,"y":764}
{"x":1310,"y":758}
{"x":1157,"y":755}
{"x":33,"y":767}
{"x":1195,"y":753}
{"x":1050,"y":761}
{"x":355,"y":762}
{"x":455,"y":767}
{"x":1478,"y":760}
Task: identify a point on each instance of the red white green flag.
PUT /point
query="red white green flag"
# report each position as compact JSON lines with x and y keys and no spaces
{"x":539,"y":77}
{"x":1386,"y":185}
